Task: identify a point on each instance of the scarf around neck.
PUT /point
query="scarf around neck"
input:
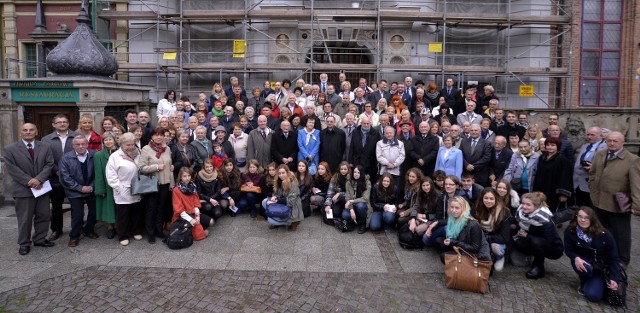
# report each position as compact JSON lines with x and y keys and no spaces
{"x":208,"y":177}
{"x":159,"y":149}
{"x":187,"y":188}
{"x":535,"y":218}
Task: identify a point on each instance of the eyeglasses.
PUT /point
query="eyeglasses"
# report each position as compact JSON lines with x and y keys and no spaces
{"x":582,"y":217}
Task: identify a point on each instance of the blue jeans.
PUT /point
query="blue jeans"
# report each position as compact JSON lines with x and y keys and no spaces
{"x":592,"y":282}
{"x":247,"y":202}
{"x":380,"y":217}
{"x":431,"y":241}
{"x":361,"y":213}
{"x":77,"y":216}
{"x":497,"y":250}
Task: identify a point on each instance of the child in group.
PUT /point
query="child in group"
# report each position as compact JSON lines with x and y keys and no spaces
{"x":186,"y":204}
{"x":251,"y":189}
{"x":218,"y":156}
{"x":231,"y":183}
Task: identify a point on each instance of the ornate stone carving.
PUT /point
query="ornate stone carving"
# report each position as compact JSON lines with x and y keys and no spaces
{"x":81,"y":52}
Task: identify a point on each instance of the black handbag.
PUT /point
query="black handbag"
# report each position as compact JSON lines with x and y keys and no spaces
{"x":408,"y":239}
{"x":342,"y":225}
{"x":564,"y":214}
{"x":180,"y":235}
{"x":617,"y":297}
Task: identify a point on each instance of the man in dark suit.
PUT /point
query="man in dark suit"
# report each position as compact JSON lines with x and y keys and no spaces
{"x":61,"y":142}
{"x":30,"y":162}
{"x":500,"y":160}
{"x":284,"y":146}
{"x":382,"y":92}
{"x":405,"y":96}
{"x":363,"y":148}
{"x":333,"y":144}
{"x":510,"y":127}
{"x":410,"y":90}
{"x":425,"y":150}
{"x":453,"y":97}
{"x":476,"y":154}
{"x":349,"y":129}
{"x":470,"y":189}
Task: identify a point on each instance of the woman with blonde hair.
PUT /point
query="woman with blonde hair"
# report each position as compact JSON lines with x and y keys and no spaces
{"x":463,"y":231}
{"x":217,"y":92}
{"x":85,"y":127}
{"x":533,"y":135}
{"x":537,"y":235}
{"x":286,"y":192}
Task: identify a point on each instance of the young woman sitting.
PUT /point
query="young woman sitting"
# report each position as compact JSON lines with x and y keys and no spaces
{"x":320,"y":185}
{"x":186,"y":204}
{"x":384,"y":202}
{"x":305,"y":183}
{"x":357,"y":206}
{"x":336,"y":193}
{"x":250,"y":189}
{"x":463,"y":231}
{"x":494,"y":218}
{"x":286,"y":192}
{"x":208,"y":186}
{"x":423,"y":210}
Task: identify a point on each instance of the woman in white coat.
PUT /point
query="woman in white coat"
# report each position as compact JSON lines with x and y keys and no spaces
{"x":240,"y":142}
{"x":390,"y":154}
{"x":122,"y":167}
{"x":449,"y":158}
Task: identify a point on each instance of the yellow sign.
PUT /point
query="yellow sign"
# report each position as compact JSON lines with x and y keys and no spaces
{"x":526,"y":90}
{"x":239,"y":47}
{"x":169,"y":56}
{"x":435,"y":47}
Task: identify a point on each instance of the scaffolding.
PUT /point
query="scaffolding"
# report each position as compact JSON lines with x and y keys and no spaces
{"x":506,"y":43}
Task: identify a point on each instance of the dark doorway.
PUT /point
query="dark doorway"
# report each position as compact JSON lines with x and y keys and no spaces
{"x":344,"y":54}
{"x":42,"y":116}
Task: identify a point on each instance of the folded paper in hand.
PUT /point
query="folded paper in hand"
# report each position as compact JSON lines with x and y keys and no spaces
{"x":44,"y":188}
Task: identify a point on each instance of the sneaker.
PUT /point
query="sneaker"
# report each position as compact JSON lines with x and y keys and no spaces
{"x":137,"y":237}
{"x":125,"y":242}
{"x":499,"y":264}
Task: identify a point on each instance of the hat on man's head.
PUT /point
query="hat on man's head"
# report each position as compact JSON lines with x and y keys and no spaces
{"x":220,"y":129}
{"x":425,"y":111}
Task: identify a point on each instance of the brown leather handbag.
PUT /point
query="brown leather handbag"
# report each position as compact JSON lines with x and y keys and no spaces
{"x":623,"y":200}
{"x":463,"y":271}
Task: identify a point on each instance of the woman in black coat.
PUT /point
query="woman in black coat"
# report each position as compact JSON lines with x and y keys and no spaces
{"x":494,"y":218}
{"x":553,"y":175}
{"x":592,"y":251}
{"x":537,"y":235}
{"x":208,"y":186}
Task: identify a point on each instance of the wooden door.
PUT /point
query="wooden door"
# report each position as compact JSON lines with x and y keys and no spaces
{"x":42,"y":117}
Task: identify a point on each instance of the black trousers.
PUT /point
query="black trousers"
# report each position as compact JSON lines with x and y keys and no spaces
{"x":537,"y":247}
{"x":337,"y":209}
{"x":212,"y":211}
{"x":156,"y":202}
{"x":619,"y":224}
{"x":129,"y":220}
{"x":57,"y":198}
{"x":583,"y":198}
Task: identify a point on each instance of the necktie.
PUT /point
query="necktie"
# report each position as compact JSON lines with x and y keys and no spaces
{"x":279,"y":96}
{"x":264,"y":135}
{"x":286,"y":135}
{"x":584,"y":155}
{"x":468,"y":192}
{"x":497,"y":155}
{"x":324,"y":87}
{"x":609,"y":157}
{"x":349,"y":129}
{"x":30,"y":149}
{"x":473,"y":144}
{"x":364,"y":138}
{"x":448,"y":91}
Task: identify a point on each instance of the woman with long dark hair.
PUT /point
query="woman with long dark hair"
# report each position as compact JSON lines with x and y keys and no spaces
{"x":208,"y":183}
{"x":336,"y":193}
{"x":423,"y":210}
{"x":384,"y":201}
{"x":305,"y":183}
{"x":494,"y":218}
{"x":320,"y":184}
{"x":231,"y":183}
{"x":357,"y":207}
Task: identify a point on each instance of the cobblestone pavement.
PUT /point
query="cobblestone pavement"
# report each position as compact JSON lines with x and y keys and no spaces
{"x":244,"y":267}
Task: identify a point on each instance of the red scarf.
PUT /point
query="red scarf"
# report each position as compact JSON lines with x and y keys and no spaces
{"x":157,"y":148}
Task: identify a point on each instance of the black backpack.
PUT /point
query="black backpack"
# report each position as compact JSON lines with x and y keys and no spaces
{"x":408,"y":239}
{"x":180,"y":235}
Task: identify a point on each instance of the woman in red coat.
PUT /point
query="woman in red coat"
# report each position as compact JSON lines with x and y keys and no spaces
{"x":186,"y":204}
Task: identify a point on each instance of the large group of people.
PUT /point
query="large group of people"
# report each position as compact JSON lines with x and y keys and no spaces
{"x":453,"y":165}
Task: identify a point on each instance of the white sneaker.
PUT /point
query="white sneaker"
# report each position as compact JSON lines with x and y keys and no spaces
{"x":499,"y":264}
{"x":125,"y":242}
{"x":137,"y":237}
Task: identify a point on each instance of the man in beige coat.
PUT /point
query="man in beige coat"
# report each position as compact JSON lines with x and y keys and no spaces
{"x":615,"y":170}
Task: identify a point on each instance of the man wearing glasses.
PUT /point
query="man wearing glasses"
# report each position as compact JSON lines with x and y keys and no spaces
{"x":61,"y":142}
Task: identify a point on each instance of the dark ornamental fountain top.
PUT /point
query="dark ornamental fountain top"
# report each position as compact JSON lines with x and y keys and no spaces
{"x":81,"y":53}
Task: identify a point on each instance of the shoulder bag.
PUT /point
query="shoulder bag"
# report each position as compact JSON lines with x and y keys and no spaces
{"x":278,"y":211}
{"x":180,"y":236}
{"x":142,"y":184}
{"x":463,"y":271}
{"x":623,"y":201}
{"x":617,"y":297}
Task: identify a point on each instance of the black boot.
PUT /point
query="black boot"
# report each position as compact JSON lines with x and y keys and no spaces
{"x":537,"y":270}
{"x":362,"y":227}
